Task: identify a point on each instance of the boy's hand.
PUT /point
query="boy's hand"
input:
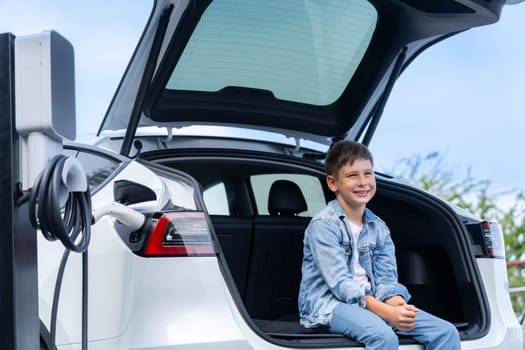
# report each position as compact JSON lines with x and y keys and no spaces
{"x":402,"y":317}
{"x":394,"y":310}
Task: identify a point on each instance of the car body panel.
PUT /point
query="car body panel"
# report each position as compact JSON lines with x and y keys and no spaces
{"x":153,"y":303}
{"x":505,"y":331}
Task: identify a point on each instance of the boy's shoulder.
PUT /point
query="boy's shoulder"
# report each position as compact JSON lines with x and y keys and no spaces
{"x":332,"y":209}
{"x":330,"y":213}
{"x":371,"y":217}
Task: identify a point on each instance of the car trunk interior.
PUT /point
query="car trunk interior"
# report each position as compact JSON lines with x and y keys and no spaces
{"x":264,"y":252}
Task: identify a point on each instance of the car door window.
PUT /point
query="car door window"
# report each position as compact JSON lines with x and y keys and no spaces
{"x":310,"y":186}
{"x":216,"y":200}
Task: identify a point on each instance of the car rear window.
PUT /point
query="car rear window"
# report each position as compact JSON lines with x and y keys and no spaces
{"x":301,"y":51}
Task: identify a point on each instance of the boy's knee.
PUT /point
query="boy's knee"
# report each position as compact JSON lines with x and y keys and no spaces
{"x":450,"y":331}
{"x":391,"y":340}
{"x":446,"y":333}
{"x":385,"y":338}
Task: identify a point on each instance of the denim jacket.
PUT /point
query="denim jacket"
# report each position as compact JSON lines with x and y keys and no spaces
{"x":327,"y":265}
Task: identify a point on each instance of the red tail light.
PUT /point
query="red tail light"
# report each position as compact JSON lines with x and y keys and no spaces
{"x":179,"y":234}
{"x":493,"y":239}
{"x":487,"y":239}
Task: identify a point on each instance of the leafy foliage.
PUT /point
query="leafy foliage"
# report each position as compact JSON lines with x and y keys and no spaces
{"x":477,"y":196}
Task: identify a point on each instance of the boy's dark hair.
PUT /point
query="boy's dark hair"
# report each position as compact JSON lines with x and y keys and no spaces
{"x":345,"y":152}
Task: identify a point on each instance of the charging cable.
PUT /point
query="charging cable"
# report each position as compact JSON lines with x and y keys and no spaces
{"x":60,"y":206}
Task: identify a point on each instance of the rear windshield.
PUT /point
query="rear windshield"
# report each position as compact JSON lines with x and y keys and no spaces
{"x":302,"y":51}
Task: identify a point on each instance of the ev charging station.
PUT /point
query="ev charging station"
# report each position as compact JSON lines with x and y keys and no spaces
{"x":40,"y":188}
{"x":37,"y":110}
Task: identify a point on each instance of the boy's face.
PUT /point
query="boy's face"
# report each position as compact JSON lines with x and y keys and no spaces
{"x":354,"y":184}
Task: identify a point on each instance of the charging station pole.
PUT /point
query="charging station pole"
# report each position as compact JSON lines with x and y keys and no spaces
{"x":19,"y":321}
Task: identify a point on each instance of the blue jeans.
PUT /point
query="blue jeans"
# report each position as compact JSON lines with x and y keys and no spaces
{"x":366,"y":327}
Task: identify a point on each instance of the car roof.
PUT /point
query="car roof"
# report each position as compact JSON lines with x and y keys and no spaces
{"x":301,"y":68}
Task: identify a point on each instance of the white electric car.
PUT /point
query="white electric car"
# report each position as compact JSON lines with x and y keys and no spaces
{"x":216,"y":135}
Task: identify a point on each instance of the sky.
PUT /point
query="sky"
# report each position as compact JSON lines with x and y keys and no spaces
{"x":463,"y":98}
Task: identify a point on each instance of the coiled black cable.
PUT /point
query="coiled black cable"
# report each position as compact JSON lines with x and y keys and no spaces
{"x":45,"y":209}
{"x":72,"y":227}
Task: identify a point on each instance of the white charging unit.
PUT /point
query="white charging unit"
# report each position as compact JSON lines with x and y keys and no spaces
{"x":44,"y":100}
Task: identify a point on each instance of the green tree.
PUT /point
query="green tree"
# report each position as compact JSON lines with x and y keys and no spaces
{"x":478,"y":197}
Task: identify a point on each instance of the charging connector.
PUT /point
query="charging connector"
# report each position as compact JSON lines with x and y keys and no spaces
{"x":132,"y":218}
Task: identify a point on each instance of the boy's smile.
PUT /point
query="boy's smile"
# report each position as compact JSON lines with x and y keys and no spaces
{"x":354,"y":184}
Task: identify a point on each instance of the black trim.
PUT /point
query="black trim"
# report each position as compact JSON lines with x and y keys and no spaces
{"x":44,"y":337}
{"x":187,"y":23}
{"x":96,"y":150}
{"x":375,"y":116}
{"x":146,"y":80}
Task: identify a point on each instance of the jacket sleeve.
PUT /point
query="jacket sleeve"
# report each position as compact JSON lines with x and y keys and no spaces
{"x":385,"y":271}
{"x":332,"y":262}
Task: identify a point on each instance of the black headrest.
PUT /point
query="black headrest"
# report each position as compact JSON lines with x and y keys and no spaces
{"x":286,"y":198}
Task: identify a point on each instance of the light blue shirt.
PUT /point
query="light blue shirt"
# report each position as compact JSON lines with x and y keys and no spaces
{"x":327,"y":265}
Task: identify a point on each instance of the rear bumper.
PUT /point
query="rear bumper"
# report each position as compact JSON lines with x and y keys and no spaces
{"x":504,"y":332}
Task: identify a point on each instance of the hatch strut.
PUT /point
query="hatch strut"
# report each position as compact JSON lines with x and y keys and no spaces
{"x":149,"y":69}
{"x":376,"y":113}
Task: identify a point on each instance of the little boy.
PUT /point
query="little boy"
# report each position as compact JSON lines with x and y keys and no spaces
{"x":349,"y":274}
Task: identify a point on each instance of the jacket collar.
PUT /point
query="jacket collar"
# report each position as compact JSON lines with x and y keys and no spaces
{"x":369,"y":216}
